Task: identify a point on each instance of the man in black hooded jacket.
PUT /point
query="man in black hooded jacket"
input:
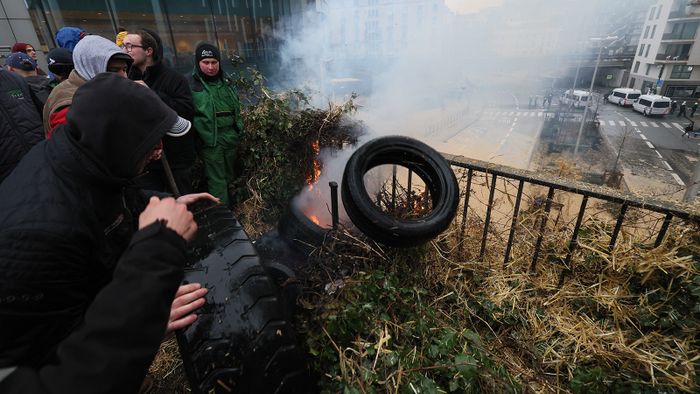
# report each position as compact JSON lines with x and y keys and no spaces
{"x":146,"y":48}
{"x":84,"y":301}
{"x":20,"y":121}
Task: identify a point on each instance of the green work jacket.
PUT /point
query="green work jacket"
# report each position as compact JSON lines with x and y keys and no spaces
{"x":217,"y":110}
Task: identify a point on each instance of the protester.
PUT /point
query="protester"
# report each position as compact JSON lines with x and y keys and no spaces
{"x":24,"y":66}
{"x":68,"y":37}
{"x":145,"y":47}
{"x":29,"y":50}
{"x":60,"y":65}
{"x":92,"y":55}
{"x":20,"y":122}
{"x":89,"y":266}
{"x":693,"y":109}
{"x":217,"y":119}
{"x":682,"y":108}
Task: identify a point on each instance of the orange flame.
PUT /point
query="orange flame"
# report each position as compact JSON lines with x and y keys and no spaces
{"x":313,"y":177}
{"x":314,"y":219}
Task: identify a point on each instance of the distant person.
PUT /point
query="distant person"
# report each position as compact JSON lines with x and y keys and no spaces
{"x":145,"y":47}
{"x":693,"y":109}
{"x":24,"y":66}
{"x":681,"y":111}
{"x":68,"y":37}
{"x":217,"y":119}
{"x":92,"y":55}
{"x":20,"y":121}
{"x":90,"y":268}
{"x":60,"y":64}
{"x":674,"y":105}
{"x":29,"y":50}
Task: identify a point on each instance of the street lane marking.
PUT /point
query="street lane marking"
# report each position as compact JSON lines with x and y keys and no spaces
{"x":643,"y":137}
{"x":511,"y":114}
{"x":650,"y":145}
{"x":667,"y":165}
{"x":638,"y":131}
{"x":666,"y":125}
{"x":533,"y":114}
{"x":632,"y":123}
{"x":621,"y":122}
{"x":658,"y":154}
{"x":644,"y":124}
{"x":539,"y":114}
{"x":654,"y":124}
{"x":679,"y":127}
{"x":611,"y":122}
{"x":678,"y":179}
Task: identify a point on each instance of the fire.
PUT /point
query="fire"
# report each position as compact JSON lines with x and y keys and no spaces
{"x":313,"y":177}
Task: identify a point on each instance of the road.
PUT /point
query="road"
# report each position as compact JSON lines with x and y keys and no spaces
{"x":656,"y":156}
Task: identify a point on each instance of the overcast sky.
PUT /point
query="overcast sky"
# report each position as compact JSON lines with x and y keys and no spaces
{"x":471,"y":6}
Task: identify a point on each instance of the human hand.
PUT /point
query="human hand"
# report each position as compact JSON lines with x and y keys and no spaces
{"x":188,"y":199}
{"x":175,"y":215}
{"x":188,"y":298}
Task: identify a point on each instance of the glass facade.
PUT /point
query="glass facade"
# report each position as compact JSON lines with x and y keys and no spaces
{"x":245,"y":28}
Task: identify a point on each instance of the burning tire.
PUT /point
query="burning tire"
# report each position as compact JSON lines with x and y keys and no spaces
{"x":425,"y":162}
{"x":243,"y":340}
{"x":303,"y":234}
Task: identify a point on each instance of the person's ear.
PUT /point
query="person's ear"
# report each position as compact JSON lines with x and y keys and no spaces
{"x":149,"y":52}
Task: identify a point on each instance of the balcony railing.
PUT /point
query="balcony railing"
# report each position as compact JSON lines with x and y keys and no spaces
{"x":671,"y":58}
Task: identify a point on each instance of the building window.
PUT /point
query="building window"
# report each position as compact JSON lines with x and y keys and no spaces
{"x":651,"y":13}
{"x":653,"y":30}
{"x":641,"y":50}
{"x":684,"y":31}
{"x":681,"y":72}
{"x":682,"y":91}
{"x":648,"y":69}
{"x":646,"y":32}
{"x":658,"y":12}
{"x":636,"y":67}
{"x":632,"y":81}
{"x":646,"y":54}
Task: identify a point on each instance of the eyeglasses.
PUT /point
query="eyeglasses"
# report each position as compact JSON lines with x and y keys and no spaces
{"x":129,"y":46}
{"x":29,"y":50}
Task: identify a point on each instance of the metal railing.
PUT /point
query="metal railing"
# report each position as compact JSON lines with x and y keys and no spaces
{"x":671,"y":58}
{"x":493,"y":172}
{"x":676,"y":36}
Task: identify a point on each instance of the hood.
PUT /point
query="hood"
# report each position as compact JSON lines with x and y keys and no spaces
{"x":118,"y":122}
{"x":92,"y":54}
{"x":158,"y":56}
{"x":68,"y":37}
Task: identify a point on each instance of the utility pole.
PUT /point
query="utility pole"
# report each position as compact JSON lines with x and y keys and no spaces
{"x":588,"y":102}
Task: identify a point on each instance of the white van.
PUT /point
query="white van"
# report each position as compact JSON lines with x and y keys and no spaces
{"x":577,"y":99}
{"x":652,"y":104}
{"x":624,"y":96}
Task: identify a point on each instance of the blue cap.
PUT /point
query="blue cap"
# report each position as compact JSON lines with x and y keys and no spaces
{"x":21,"y":61}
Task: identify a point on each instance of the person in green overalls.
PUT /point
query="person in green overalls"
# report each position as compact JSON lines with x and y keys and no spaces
{"x":217,"y":119}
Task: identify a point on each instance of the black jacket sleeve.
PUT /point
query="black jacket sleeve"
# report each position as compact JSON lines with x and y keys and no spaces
{"x":178,"y":95}
{"x":112,"y":350}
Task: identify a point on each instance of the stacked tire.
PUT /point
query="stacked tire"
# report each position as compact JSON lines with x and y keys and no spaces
{"x":243,"y":340}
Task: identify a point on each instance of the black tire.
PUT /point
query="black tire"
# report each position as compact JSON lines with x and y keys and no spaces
{"x":425,"y":162}
{"x":299,"y":231}
{"x":242,"y":341}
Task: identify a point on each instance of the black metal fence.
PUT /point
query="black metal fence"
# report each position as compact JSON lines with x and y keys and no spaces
{"x":469,"y":169}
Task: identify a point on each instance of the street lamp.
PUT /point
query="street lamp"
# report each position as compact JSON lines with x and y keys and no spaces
{"x":610,"y":41}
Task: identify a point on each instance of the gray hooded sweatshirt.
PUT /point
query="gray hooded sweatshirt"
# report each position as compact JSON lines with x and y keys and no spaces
{"x":92,"y":54}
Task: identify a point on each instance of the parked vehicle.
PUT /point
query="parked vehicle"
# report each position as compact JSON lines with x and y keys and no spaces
{"x":652,"y":104}
{"x":576,"y":99}
{"x":624,"y":96}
